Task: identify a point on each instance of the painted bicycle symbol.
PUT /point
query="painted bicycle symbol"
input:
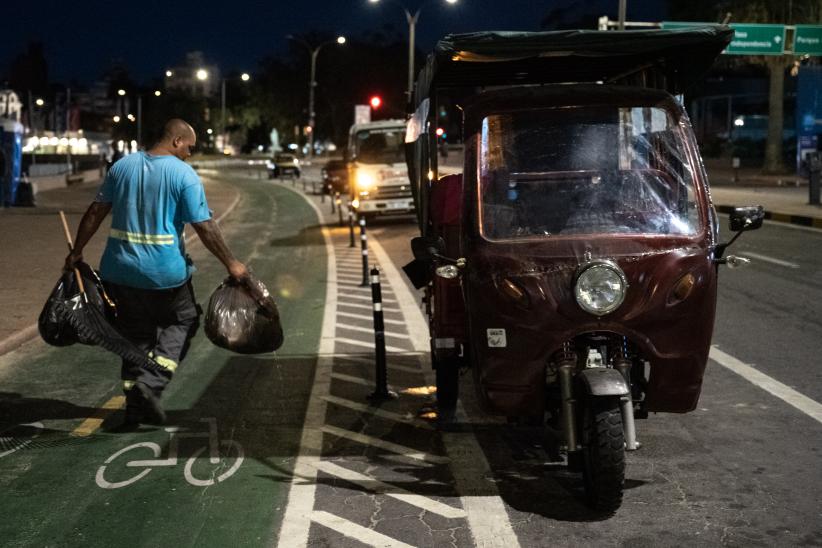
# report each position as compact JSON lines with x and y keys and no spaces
{"x":224,"y":459}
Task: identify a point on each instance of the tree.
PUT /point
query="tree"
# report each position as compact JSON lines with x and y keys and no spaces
{"x":758,"y":11}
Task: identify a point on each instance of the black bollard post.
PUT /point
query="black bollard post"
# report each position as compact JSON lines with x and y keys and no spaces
{"x":339,"y":209}
{"x":333,"y":203}
{"x":381,"y":392}
{"x":814,"y":170}
{"x":322,"y":194}
{"x":364,"y":247}
{"x":303,"y":184}
{"x":350,"y":225}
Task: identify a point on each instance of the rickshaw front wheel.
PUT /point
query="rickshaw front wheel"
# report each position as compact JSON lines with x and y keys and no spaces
{"x":603,"y":454}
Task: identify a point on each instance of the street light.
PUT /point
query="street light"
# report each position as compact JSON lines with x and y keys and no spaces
{"x":201,"y":74}
{"x":157,"y":93}
{"x":39,"y":102}
{"x":116,"y":119}
{"x":313,"y":83}
{"x":245,"y":77}
{"x":169,"y":74}
{"x":121,"y":92}
{"x":412,"y":23}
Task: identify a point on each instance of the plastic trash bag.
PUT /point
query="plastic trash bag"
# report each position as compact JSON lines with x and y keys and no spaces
{"x":243,"y":319}
{"x":53,"y":327}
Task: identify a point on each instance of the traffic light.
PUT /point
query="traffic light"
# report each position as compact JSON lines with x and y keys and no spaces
{"x":375,"y":102}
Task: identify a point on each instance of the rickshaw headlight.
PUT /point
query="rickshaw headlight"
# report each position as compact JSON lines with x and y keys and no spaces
{"x":600,"y":288}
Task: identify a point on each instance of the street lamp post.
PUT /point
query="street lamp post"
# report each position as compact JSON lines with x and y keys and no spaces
{"x":245,"y":77}
{"x":312,"y":84}
{"x":412,"y":28}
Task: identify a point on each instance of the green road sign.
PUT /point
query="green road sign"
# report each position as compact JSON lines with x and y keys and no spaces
{"x":749,"y":39}
{"x":757,"y":40}
{"x":808,"y":40}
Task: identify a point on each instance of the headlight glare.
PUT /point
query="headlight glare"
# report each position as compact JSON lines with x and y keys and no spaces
{"x":364,"y":180}
{"x":600,"y":288}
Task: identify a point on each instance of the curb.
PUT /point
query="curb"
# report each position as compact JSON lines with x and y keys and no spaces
{"x":801,"y":220}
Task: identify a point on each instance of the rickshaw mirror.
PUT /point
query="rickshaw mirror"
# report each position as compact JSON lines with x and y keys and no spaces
{"x":426,"y":248}
{"x":746,"y":218}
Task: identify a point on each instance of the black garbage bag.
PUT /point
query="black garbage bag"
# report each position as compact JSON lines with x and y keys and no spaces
{"x":243,"y":318}
{"x":53,"y":325}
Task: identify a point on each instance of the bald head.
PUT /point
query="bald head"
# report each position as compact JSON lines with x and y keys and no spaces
{"x":177,"y":128}
{"x":178,"y":139}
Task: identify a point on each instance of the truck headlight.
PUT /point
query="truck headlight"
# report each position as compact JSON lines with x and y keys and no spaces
{"x":364,"y":180}
{"x":600,"y":287}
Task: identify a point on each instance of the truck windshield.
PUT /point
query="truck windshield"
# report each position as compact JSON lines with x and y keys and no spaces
{"x":381,"y":146}
{"x":593,"y":170}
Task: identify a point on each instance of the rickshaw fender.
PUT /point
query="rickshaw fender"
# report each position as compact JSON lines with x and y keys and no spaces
{"x":600,"y":381}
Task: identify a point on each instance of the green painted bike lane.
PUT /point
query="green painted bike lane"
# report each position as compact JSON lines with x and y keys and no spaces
{"x":54,"y":492}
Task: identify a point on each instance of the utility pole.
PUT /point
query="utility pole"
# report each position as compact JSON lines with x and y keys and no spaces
{"x":623,"y":8}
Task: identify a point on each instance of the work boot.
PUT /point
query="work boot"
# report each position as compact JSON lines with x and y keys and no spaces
{"x":152,"y":411}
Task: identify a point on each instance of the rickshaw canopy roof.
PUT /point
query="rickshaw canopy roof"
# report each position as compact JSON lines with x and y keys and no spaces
{"x":662,"y":59}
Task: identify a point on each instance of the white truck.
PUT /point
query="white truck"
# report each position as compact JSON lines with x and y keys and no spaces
{"x":377,"y":174}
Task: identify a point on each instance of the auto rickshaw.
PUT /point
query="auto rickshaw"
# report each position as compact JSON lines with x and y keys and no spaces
{"x":572,"y":265}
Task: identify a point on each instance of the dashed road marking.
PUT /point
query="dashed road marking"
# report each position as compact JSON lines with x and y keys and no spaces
{"x":355,"y":342}
{"x":366,"y":298}
{"x":352,"y":379}
{"x":768,"y":259}
{"x":354,"y":531}
{"x":785,"y":393}
{"x":367,"y":306}
{"x":377,"y":412}
{"x":365,"y":439}
{"x":368,"y":317}
{"x":370,"y":330}
{"x":376,"y":486}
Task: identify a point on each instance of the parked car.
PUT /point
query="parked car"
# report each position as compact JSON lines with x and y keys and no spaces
{"x":283,"y":165}
{"x":335,"y":177}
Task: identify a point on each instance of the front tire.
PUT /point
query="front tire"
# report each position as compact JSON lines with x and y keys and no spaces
{"x":603,"y":451}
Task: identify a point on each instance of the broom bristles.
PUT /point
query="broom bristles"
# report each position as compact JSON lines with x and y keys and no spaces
{"x":90,"y":323}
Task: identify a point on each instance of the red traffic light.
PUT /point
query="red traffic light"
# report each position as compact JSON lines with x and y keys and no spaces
{"x":375,"y":102}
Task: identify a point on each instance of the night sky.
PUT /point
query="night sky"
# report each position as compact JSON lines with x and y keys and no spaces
{"x":82,"y":37}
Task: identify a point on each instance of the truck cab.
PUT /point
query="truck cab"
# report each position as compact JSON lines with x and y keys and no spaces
{"x":377,"y":172}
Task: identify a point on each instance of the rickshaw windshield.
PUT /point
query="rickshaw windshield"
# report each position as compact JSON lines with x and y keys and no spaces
{"x":380,"y":146}
{"x":563,"y":172}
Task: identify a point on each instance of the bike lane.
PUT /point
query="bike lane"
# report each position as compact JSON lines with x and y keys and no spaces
{"x":59,"y":489}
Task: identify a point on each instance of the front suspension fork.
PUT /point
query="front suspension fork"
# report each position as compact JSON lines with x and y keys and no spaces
{"x":565,"y":369}
{"x":626,"y":405}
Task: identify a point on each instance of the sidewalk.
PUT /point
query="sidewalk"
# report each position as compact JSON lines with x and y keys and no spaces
{"x":33,"y":247}
{"x":784,"y":197}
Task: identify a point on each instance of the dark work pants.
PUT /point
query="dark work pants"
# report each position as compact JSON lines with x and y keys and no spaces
{"x":159,"y":321}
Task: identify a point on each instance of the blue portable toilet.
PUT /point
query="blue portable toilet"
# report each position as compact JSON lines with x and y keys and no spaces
{"x":11,"y":159}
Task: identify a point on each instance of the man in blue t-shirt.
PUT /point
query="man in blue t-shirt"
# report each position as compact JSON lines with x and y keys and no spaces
{"x":152,"y":196}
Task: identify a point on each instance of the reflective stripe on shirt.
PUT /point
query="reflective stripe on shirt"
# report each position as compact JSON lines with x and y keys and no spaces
{"x":139,"y":238}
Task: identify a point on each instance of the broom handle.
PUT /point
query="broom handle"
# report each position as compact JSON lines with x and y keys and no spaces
{"x":71,"y":250}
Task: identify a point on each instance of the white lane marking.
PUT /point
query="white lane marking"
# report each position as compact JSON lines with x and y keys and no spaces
{"x":352,"y":379}
{"x":296,"y":520}
{"x":785,"y":393}
{"x":377,"y":486}
{"x":355,"y":285}
{"x":767,"y":259}
{"x":487,"y":516}
{"x":388,"y":334}
{"x":354,"y":531}
{"x":365,"y":298}
{"x":404,"y":368}
{"x":368,"y":307}
{"x":362,"y":344}
{"x":386,"y":445}
{"x":369,"y":317}
{"x":377,"y":412}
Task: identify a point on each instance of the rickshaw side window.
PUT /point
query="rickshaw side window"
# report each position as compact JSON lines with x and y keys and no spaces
{"x":571,"y":171}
